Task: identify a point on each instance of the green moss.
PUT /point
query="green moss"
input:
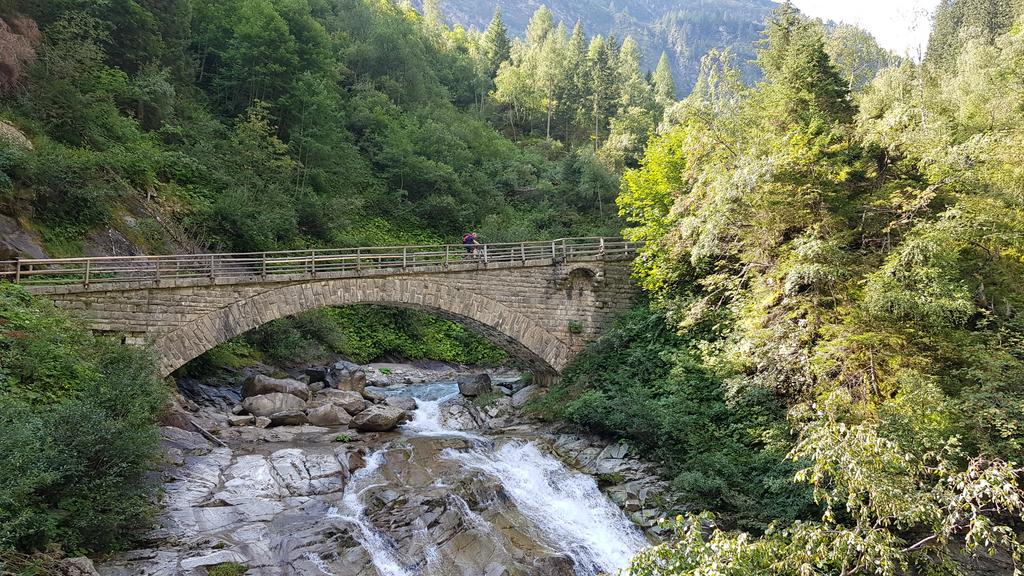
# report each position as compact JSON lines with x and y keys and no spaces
{"x":227,"y":569}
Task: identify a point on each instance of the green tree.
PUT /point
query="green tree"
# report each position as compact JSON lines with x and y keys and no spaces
{"x":497,"y":45}
{"x":664,"y":83}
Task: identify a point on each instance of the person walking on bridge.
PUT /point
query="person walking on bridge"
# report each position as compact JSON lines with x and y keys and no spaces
{"x":470,"y":242}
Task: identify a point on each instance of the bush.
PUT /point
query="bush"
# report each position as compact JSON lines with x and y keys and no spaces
{"x":79,"y":436}
{"x":360,"y":333}
{"x":723,"y":448}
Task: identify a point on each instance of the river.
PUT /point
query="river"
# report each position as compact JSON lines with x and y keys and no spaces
{"x":428,"y":500}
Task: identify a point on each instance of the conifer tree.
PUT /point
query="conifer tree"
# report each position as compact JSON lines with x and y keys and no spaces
{"x":496,"y":44}
{"x":664,"y":82}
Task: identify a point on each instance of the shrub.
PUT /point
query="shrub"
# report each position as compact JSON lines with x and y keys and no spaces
{"x":79,"y":436}
{"x":723,"y":449}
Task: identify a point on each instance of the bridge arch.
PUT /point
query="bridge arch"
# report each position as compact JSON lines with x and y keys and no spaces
{"x":523,"y":337}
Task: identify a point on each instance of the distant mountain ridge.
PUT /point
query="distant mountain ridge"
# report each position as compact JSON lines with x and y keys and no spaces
{"x":685,"y":29}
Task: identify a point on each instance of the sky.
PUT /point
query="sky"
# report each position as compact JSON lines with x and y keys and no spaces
{"x":899,"y":25}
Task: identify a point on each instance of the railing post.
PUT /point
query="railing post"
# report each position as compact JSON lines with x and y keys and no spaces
{"x":313,"y":263}
{"x":359,"y":259}
{"x":158,"y":270}
{"x":485,"y":254}
{"x":601,"y":251}
{"x":85,"y":281}
{"x":522,"y":252}
{"x":447,"y":254}
{"x":405,"y":257}
{"x":213,"y":262}
{"x":552,"y":249}
{"x":565,"y":251}
{"x":263,"y":266}
{"x":17,"y":270}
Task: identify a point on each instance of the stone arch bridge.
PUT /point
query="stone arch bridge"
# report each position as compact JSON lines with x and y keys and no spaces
{"x":540,"y":301}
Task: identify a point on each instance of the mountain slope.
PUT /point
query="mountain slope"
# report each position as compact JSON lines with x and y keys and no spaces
{"x":685,"y":29}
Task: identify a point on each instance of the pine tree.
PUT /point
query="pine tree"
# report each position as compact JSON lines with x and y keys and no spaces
{"x":804,"y":82}
{"x":664,"y":82}
{"x":496,"y":44}
{"x":603,"y":94}
{"x":633,"y":87}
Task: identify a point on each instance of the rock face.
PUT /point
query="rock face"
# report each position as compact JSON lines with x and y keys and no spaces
{"x":378,"y":418}
{"x":267,"y":405}
{"x":520,"y":398}
{"x":476,"y":386}
{"x":259,"y":384}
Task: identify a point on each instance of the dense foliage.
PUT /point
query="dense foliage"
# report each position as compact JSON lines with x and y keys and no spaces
{"x":77,"y":414}
{"x":683,"y":29}
{"x":360,"y":333}
{"x":860,"y":256}
{"x":722,"y":447}
{"x":262,"y":124}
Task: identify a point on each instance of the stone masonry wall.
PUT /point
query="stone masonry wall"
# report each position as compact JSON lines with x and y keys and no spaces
{"x":543,"y":312}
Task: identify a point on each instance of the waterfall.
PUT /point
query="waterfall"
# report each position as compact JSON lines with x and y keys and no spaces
{"x":382,"y":552}
{"x":567,"y":507}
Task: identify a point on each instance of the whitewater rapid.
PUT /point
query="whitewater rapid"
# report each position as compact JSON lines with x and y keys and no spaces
{"x":565,"y":508}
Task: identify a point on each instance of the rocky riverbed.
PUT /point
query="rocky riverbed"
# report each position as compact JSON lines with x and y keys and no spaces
{"x":387,"y":470}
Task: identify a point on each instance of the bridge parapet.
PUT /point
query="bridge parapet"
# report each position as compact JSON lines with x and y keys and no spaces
{"x":64,"y":275}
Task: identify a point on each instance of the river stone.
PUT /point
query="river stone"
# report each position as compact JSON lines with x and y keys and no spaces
{"x":378,"y":418}
{"x":478,"y":385}
{"x":328,"y":415}
{"x":288,"y":418}
{"x":259,"y":384}
{"x":269,"y":404}
{"x":212,"y":559}
{"x":316,"y":375}
{"x":262,"y":421}
{"x":401,"y":402}
{"x":352,"y":402}
{"x":346,"y":376}
{"x":306,"y":473}
{"x":519,"y":399}
{"x":80,"y":566}
{"x":241,"y":420}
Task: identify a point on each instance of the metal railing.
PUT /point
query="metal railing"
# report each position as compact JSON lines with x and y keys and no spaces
{"x":312,"y":263}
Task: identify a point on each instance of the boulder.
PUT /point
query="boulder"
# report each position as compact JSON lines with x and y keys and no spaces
{"x":262,"y":422}
{"x":268,"y":404}
{"x":345,"y":376}
{"x":519,"y":399}
{"x":476,"y":386}
{"x":373,"y":394}
{"x":378,"y":418}
{"x":401,"y":402}
{"x":241,"y":420}
{"x":316,"y":375}
{"x":288,"y":418}
{"x":328,"y":415}
{"x":237,"y":409}
{"x":352,"y":402}
{"x":80,"y":566}
{"x":259,"y":384}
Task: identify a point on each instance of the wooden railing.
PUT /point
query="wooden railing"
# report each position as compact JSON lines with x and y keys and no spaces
{"x":266,"y":265}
